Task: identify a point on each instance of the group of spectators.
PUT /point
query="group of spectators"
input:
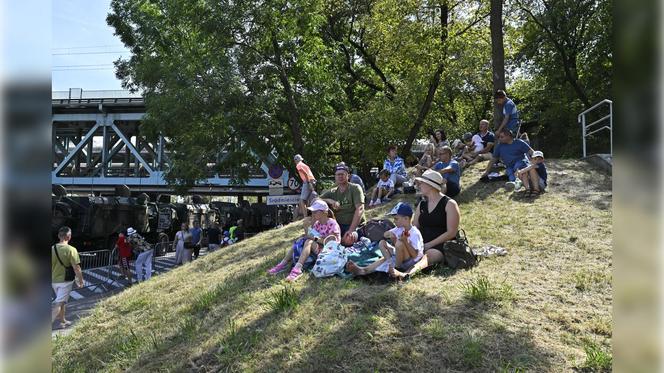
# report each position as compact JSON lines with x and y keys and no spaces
{"x":417,"y":240}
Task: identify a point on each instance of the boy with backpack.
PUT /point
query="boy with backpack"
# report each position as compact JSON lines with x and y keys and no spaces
{"x":406,"y":249}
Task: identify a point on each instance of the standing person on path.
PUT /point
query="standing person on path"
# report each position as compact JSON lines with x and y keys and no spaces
{"x":308,"y":182}
{"x":144,"y":257}
{"x":196,"y":236}
{"x":395,"y":165}
{"x":65,"y":268}
{"x":181,"y":237}
{"x":214,"y":237}
{"x":124,"y":254}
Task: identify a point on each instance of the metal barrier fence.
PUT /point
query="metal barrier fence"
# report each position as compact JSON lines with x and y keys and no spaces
{"x":103,"y":259}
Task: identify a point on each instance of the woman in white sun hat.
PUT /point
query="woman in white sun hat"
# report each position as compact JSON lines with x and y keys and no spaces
{"x":437,"y":217}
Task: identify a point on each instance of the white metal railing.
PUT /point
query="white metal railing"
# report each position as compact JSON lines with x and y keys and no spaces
{"x":587,"y":129}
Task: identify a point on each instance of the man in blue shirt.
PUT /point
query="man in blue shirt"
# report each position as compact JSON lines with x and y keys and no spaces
{"x":450,"y":170}
{"x":513,"y":154}
{"x":196,"y":238}
{"x":395,"y":165}
{"x":510,"y":113}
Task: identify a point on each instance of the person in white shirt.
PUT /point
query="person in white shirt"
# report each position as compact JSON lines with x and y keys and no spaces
{"x":383,"y":190}
{"x":407,"y":246}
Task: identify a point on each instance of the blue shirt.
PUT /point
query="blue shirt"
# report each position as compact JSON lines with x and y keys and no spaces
{"x":487,"y":138}
{"x":541,"y":171}
{"x":396,"y":167}
{"x":195,"y":234}
{"x":512,"y":153}
{"x":450,"y":176}
{"x":509,"y":108}
{"x":356,"y":179}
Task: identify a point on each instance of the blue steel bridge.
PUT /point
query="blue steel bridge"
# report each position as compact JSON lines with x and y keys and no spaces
{"x":97,"y":144}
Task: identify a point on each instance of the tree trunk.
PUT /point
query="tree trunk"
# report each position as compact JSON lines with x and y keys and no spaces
{"x":433,"y":84}
{"x":497,"y":54}
{"x":293,"y":111}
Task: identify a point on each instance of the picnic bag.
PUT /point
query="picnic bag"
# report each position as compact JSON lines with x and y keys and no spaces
{"x":376,"y":228}
{"x":70,"y":275}
{"x":458,"y":254}
{"x":331,"y":260}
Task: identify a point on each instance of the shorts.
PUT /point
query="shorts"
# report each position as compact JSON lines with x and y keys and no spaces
{"x":62,"y":290}
{"x":517,"y":166}
{"x":307,"y":188}
{"x":542,"y":184}
{"x":452,"y":189}
{"x":298,"y":245}
{"x":123,"y":262}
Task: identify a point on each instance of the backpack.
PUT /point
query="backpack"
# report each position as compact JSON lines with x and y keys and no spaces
{"x":458,"y":254}
{"x":331,"y":260}
{"x":376,"y":228}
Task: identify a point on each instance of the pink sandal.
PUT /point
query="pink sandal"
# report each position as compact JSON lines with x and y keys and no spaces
{"x":295,"y":273}
{"x":277,"y":269}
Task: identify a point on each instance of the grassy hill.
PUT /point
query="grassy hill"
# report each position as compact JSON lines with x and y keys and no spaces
{"x":546,"y":306}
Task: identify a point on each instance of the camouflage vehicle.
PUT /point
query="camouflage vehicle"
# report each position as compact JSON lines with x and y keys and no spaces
{"x":96,"y":221}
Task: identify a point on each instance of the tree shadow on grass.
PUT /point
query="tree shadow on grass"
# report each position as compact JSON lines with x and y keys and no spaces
{"x":479,"y":191}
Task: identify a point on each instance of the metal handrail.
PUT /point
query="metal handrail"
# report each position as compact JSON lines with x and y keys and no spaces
{"x":584,"y":127}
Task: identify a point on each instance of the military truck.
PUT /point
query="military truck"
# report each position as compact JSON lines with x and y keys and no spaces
{"x":95,"y":221}
{"x":172,"y":215}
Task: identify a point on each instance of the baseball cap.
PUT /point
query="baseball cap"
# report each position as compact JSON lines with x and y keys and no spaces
{"x":318,"y":205}
{"x":341,"y":167}
{"x":402,"y":209}
{"x":467,"y":136}
{"x":298,"y":158}
{"x":537,"y":153}
{"x":131,"y":231}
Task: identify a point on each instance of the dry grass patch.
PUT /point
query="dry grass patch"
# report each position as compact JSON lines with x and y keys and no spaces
{"x":535,"y":309}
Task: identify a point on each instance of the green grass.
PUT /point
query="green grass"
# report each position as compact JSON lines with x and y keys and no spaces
{"x":597,"y":358}
{"x":526,"y":311}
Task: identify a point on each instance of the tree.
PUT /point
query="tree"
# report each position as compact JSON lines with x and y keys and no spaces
{"x":497,"y":53}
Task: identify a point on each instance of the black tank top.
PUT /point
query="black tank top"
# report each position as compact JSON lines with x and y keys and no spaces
{"x":433,"y":224}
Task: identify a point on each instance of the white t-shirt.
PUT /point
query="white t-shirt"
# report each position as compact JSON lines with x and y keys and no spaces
{"x":415,"y":238}
{"x":478,"y":143}
{"x":389,"y":184}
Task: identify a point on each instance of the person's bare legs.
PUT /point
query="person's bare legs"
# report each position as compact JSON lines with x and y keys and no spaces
{"x":431,"y":256}
{"x":55,"y":311}
{"x":524,"y":179}
{"x":374,"y":194}
{"x":306,"y":251}
{"x":61,"y":315}
{"x":534,"y":177}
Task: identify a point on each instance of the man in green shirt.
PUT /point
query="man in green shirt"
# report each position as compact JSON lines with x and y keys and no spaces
{"x":347,"y":201}
{"x":62,"y":256}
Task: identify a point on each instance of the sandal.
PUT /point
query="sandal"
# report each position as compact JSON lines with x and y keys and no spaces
{"x":295,"y":273}
{"x":536,"y":193}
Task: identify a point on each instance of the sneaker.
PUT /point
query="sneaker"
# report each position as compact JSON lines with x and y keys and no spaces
{"x":510,"y":185}
{"x":277,"y":269}
{"x":371,"y":203}
{"x":295,"y":273}
{"x":65,"y":324}
{"x":517,"y":185}
{"x":378,"y":202}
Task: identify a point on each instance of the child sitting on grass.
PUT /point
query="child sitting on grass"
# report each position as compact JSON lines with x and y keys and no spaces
{"x":535,"y":174}
{"x":384,"y":189}
{"x":427,"y":161}
{"x":407,"y":246}
{"x":324,"y":227}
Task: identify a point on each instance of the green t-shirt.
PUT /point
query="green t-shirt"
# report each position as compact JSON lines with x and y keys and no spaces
{"x":69,"y":255}
{"x":348,"y":199}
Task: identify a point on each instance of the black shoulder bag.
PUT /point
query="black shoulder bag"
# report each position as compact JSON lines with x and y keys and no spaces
{"x":458,"y":254}
{"x":70,"y":275}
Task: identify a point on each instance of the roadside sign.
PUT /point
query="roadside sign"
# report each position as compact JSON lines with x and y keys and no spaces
{"x":291,"y":199}
{"x":275,"y":171}
{"x":276,"y":187}
{"x":293,"y":184}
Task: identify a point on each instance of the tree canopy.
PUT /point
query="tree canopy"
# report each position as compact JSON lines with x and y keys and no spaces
{"x":341,"y":80}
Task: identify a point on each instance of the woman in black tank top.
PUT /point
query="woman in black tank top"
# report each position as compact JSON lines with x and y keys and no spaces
{"x":437,"y":217}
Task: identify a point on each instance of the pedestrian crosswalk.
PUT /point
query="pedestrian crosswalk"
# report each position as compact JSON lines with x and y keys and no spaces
{"x":101,"y":280}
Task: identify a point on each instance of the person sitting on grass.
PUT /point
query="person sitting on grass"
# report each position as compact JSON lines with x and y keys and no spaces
{"x":384,"y":189}
{"x":487,"y":138}
{"x":437,"y":217}
{"x":427,"y":161}
{"x":513,"y":154}
{"x":535,"y":174}
{"x":473,"y":147}
{"x":325,"y":226}
{"x":451,"y":171}
{"x":407,"y":246}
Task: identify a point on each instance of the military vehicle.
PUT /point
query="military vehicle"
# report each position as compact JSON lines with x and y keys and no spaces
{"x":172,"y":215}
{"x":95,"y":221}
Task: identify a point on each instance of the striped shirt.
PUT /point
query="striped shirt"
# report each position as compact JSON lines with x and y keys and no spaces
{"x":395,"y":167}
